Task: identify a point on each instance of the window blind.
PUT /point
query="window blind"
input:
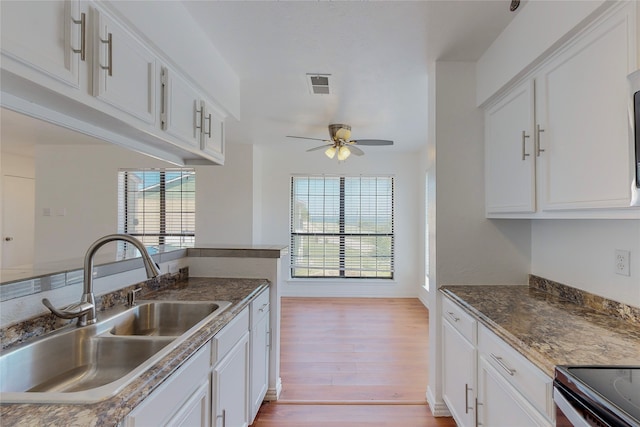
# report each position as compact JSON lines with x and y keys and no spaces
{"x":158,"y":207}
{"x":342,"y":226}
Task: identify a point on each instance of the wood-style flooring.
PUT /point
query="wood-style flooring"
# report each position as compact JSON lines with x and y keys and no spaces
{"x":350,"y":362}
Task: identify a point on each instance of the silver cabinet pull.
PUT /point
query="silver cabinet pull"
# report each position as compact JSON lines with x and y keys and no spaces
{"x":224,"y":417}
{"x":83,"y":35}
{"x":453,"y":316}
{"x":164,"y":101}
{"x":109,"y":43}
{"x":503,"y":365}
{"x":467,"y":389}
{"x":261,"y":309}
{"x":199,"y":112}
{"x":8,"y":239}
{"x":524,"y":151}
{"x":208,"y":133}
{"x":538,"y":132}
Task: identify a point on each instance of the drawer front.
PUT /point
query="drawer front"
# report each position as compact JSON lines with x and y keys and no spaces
{"x":459,"y":319}
{"x":530,"y":381}
{"x":230,"y":335}
{"x":259,"y":307}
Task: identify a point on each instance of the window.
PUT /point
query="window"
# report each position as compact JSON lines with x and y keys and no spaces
{"x":158,"y":207}
{"x":342,"y":227}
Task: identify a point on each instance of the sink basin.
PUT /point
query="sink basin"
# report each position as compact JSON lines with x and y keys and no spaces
{"x":91,"y":363}
{"x":165,"y":318}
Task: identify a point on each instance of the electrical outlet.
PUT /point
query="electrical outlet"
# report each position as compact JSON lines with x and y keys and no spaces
{"x":622,"y":262}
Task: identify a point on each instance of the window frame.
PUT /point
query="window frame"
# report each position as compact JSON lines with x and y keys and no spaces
{"x":342,"y":234}
{"x":124,"y":250}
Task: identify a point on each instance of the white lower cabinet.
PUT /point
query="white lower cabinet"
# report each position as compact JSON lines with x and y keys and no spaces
{"x":260,"y":346}
{"x":230,"y":379}
{"x":486,"y":382}
{"x":182,"y":400}
{"x":499,"y":404}
{"x":459,"y":364}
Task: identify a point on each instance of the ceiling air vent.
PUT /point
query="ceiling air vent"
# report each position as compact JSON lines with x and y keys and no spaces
{"x":318,"y":83}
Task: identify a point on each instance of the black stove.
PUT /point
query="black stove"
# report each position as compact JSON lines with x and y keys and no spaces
{"x":607,"y":396}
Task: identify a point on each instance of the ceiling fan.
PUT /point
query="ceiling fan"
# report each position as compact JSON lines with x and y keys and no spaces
{"x":341,"y":143}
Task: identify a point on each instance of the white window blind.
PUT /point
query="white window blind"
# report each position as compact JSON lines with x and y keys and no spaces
{"x":342,"y":227}
{"x":158,"y":207}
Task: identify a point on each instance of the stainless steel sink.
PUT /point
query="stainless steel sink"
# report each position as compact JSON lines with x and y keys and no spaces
{"x":164,"y":318}
{"x":90,"y":363}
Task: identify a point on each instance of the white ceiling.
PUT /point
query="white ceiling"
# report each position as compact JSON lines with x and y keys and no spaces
{"x":377,"y":53}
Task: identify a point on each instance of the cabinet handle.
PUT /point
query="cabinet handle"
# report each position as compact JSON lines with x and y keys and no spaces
{"x":467,"y":389}
{"x":201,"y":113}
{"x":524,"y":151}
{"x":8,"y":239}
{"x":453,"y":316}
{"x":538,"y":132}
{"x":109,"y":43}
{"x":261,"y":309}
{"x":224,"y":417}
{"x":208,"y":133}
{"x":164,"y":102}
{"x":83,"y":35}
{"x":478,"y":404}
{"x":503,"y":365}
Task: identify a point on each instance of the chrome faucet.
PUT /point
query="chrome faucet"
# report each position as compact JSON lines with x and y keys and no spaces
{"x":85,"y":310}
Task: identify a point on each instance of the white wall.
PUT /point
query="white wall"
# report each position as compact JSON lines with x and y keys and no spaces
{"x":82,"y":181}
{"x":224,"y":199}
{"x":580,"y":253}
{"x":539,"y":27}
{"x":277,"y":166}
{"x":466,"y":247}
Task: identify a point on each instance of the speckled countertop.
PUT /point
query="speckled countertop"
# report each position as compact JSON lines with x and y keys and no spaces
{"x":550,"y":330}
{"x":111,"y":411}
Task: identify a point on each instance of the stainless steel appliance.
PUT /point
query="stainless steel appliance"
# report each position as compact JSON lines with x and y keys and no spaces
{"x":600,"y":396}
{"x":634,"y":135}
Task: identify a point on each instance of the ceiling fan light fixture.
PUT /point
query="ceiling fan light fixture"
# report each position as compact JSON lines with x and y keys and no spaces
{"x":343,"y":134}
{"x":343,"y":153}
{"x":331,"y":152}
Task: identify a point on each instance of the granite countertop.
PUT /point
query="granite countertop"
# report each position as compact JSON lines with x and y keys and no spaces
{"x":550,"y":330}
{"x":111,"y":411}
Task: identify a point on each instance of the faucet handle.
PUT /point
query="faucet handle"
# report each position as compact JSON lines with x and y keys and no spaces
{"x":70,"y":312}
{"x":131,"y":296}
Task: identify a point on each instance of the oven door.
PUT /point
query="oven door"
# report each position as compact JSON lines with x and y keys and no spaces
{"x":569,"y":411}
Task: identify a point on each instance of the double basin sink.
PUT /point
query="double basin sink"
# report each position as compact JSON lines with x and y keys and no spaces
{"x":91,"y":363}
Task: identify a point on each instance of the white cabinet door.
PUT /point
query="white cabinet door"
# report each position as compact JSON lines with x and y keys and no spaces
{"x":230,"y":387}
{"x":183,"y":399}
{"x":43,"y":36}
{"x":581,"y":99}
{"x":509,"y":158}
{"x":182,"y":115}
{"x":499,"y":404}
{"x":213,"y":137}
{"x":195,"y":412}
{"x":124,"y":70}
{"x":259,"y":363}
{"x":458,"y":375}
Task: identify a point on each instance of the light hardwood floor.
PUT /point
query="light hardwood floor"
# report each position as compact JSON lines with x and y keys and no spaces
{"x":349,"y":362}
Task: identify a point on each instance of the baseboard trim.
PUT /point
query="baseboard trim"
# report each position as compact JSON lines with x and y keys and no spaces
{"x":273,"y":393}
{"x":350,"y":402}
{"x":438,"y":409}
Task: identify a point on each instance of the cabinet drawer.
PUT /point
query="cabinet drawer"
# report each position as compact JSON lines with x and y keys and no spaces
{"x":459,"y":319}
{"x":170,"y":397}
{"x":230,"y":335}
{"x":259,"y":307}
{"x":530,"y":381}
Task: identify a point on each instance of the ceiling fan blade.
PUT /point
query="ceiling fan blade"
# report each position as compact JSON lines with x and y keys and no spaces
{"x":304,"y":137}
{"x":319,"y":148}
{"x":355,"y":150}
{"x":372,"y":142}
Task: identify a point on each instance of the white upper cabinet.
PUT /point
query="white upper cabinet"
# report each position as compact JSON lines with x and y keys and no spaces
{"x":188,"y":117}
{"x":49,"y":36}
{"x":124,"y":69}
{"x":557,"y":144}
{"x":510,"y":162}
{"x":213,"y":141}
{"x":581,"y":105}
